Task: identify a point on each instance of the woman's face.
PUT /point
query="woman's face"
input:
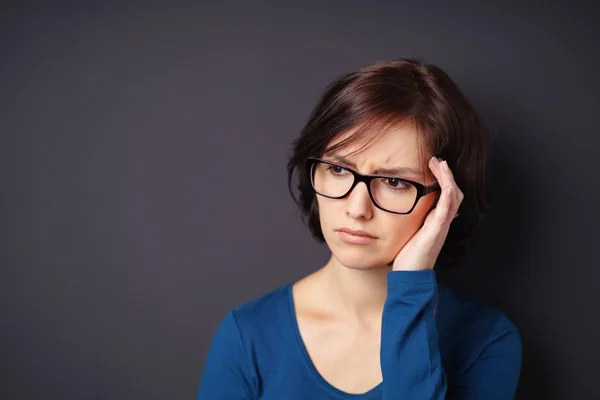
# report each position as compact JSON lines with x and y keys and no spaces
{"x":396,"y":148}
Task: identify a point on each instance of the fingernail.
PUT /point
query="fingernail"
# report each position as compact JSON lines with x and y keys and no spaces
{"x":445,"y":165}
{"x":435,"y":160}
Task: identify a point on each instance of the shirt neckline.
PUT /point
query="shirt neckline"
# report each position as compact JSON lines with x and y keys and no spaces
{"x":311,"y":366}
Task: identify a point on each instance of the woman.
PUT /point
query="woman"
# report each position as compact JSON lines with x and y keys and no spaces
{"x":391,"y":177}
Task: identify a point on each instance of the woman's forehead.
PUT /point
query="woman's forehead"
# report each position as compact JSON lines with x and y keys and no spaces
{"x":399,"y":146}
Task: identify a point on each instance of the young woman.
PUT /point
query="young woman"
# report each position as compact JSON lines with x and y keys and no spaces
{"x":390,"y":169}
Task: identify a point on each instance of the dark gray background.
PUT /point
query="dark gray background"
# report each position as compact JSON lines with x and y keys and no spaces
{"x":144,"y":192}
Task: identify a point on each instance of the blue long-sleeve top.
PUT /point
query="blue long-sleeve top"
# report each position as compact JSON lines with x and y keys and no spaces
{"x":464,"y":350}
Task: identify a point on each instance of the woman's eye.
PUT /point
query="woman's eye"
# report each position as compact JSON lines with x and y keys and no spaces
{"x":336,"y":170}
{"x":395,"y":183}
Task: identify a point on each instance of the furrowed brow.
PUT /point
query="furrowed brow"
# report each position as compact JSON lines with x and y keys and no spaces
{"x":396,"y":171}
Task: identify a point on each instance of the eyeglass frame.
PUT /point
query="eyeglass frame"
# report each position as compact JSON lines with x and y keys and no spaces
{"x":422,"y":190}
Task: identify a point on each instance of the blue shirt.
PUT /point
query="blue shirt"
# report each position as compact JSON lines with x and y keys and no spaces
{"x":465,"y":350}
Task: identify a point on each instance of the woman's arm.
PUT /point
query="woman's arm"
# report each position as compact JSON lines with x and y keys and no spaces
{"x":226,"y":372}
{"x":410,"y":358}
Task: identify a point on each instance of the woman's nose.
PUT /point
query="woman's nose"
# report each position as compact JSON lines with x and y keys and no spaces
{"x":358,"y":202}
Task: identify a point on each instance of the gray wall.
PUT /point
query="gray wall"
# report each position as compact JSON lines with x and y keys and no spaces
{"x":143,"y":185}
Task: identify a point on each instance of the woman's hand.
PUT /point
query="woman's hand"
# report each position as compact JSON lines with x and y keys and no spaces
{"x":422,"y":250}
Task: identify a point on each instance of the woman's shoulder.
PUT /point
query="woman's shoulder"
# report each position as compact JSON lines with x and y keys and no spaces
{"x":473,"y":332}
{"x":463,"y":315}
{"x":267,"y":313}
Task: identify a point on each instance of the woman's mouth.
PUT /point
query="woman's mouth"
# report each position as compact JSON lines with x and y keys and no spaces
{"x":356,"y":236}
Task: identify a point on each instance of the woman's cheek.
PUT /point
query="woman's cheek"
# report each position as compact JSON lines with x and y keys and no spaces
{"x":404,"y":231}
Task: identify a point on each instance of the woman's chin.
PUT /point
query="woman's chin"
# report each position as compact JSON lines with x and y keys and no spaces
{"x":358,"y":262}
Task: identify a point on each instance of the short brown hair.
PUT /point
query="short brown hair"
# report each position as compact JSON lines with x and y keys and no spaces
{"x":380,"y":95}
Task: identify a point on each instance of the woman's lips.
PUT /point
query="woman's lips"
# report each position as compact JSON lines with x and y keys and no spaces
{"x":356,"y":236}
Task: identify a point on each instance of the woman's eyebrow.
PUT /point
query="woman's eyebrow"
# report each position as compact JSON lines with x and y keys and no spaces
{"x":385,"y":171}
{"x":398,"y":171}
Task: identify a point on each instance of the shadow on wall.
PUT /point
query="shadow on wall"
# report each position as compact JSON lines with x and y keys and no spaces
{"x":497,"y":268}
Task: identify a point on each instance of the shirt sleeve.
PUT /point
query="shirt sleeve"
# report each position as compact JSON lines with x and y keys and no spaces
{"x":226,"y":371}
{"x":410,"y":358}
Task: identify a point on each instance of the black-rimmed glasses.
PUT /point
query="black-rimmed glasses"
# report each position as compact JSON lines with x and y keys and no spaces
{"x":391,"y":194}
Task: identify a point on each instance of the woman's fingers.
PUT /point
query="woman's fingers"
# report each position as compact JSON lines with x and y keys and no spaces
{"x":451,"y":196}
{"x":448,"y":175}
{"x":445,"y":204}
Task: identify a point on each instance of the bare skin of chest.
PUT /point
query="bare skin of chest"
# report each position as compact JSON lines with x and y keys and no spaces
{"x":346,"y":355}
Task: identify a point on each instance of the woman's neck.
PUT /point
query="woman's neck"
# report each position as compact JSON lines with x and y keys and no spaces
{"x":355,"y":294}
